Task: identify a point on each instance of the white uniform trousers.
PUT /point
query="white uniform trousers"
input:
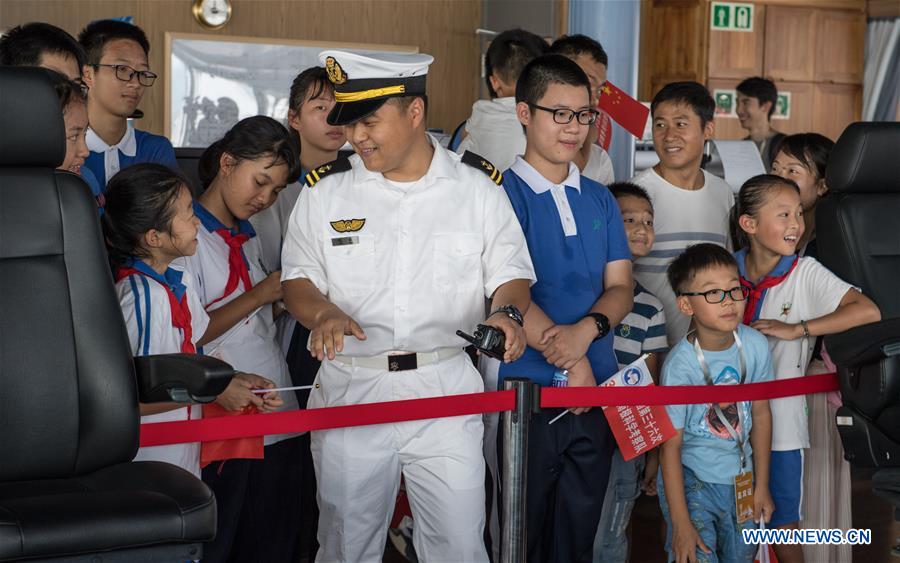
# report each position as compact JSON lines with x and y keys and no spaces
{"x":358,"y":469}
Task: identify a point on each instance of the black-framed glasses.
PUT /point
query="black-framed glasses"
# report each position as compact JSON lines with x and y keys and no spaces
{"x":125,"y":73}
{"x":714,"y":296}
{"x":564,"y":116}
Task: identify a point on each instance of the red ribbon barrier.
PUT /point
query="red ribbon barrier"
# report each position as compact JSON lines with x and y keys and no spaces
{"x":686,"y":394}
{"x":287,"y":422}
{"x":161,"y":433}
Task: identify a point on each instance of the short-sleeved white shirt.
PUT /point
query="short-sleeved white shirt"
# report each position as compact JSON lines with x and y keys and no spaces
{"x":417,"y":261}
{"x":681,"y":218}
{"x":148,"y":319}
{"x":599,"y":166}
{"x":810,"y":291}
{"x":250,"y":346}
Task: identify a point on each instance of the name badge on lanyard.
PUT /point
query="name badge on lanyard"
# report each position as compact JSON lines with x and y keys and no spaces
{"x":743,"y":481}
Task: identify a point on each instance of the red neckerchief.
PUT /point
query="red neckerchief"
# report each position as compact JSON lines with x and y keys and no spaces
{"x":758,"y":290}
{"x":237,"y":266}
{"x":181,"y":313}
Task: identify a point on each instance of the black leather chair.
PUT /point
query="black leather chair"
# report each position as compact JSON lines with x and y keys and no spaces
{"x":68,"y":392}
{"x":858,"y":233}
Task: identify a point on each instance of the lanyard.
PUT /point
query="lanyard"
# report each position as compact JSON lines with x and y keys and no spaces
{"x":701,"y":359}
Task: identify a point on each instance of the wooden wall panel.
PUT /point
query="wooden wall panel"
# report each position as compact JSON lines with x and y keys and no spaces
{"x":790,"y":43}
{"x":671,"y":46}
{"x":443,"y":28}
{"x":738,"y":54}
{"x":840,"y":46}
{"x":835,"y":106}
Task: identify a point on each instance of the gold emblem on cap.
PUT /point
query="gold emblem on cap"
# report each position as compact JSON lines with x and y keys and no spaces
{"x":335,"y":73}
{"x":348,"y":225}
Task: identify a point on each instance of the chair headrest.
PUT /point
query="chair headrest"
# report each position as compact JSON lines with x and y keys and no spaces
{"x":32,"y":132}
{"x":865,"y":159}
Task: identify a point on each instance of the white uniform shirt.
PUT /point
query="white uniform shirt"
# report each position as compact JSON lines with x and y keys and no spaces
{"x":250,"y":345}
{"x":681,"y":218}
{"x":599,"y":166}
{"x":148,"y":319}
{"x":809,"y":292}
{"x":420,"y":259}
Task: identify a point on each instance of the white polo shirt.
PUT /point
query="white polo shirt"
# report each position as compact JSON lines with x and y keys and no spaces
{"x":809,"y":292}
{"x":148,"y":319}
{"x":411,"y":263}
{"x":249,"y":346}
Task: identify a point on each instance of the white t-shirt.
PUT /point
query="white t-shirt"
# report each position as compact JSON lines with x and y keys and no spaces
{"x":809,"y":292}
{"x":249,"y":346}
{"x":599,"y":167}
{"x":148,"y":319}
{"x":412,"y":264}
{"x":681,"y":218}
{"x":493,"y":131}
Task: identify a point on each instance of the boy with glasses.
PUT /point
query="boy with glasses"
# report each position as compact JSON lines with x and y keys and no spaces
{"x":116,"y":73}
{"x":580,"y":254}
{"x":715,"y":471}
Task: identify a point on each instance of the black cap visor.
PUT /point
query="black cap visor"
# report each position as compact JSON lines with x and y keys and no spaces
{"x":345,"y":113}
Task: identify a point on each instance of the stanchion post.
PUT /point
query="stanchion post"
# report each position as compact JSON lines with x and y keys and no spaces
{"x":514,"y":425}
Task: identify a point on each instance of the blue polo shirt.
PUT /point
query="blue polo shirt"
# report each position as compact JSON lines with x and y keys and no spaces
{"x":573,"y":230}
{"x":135,"y":146}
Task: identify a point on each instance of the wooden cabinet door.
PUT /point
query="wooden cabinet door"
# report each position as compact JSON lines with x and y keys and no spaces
{"x":835,"y":106}
{"x":737,"y":54}
{"x":674,"y":43}
{"x":840,"y":45}
{"x":790,"y":43}
{"x":800,"y":118}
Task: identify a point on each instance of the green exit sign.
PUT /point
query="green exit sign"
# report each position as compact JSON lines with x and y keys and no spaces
{"x":731,"y":16}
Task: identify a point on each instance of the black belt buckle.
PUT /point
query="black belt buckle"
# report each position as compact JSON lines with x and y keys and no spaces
{"x":402,"y":362}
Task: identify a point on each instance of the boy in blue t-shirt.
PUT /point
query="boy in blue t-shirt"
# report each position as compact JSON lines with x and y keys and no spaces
{"x":715,"y":444}
{"x":580,"y":254}
{"x":642,"y":331}
{"x":116,"y":74}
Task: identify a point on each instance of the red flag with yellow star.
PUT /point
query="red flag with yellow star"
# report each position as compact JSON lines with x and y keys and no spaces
{"x":623,"y":109}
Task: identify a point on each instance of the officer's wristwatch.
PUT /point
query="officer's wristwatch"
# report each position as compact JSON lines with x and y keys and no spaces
{"x":510,"y":311}
{"x":602,"y":324}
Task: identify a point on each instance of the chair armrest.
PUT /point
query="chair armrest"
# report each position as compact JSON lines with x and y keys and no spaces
{"x":182,"y":378}
{"x":865,"y":344}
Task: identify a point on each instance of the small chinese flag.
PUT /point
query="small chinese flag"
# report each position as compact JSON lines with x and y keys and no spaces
{"x":623,"y":109}
{"x":235,"y":448}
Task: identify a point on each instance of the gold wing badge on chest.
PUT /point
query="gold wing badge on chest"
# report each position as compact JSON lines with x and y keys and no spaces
{"x":348,"y":225}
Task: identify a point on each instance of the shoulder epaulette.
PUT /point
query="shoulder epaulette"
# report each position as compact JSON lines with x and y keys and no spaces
{"x":341,"y":164}
{"x":476,"y":161}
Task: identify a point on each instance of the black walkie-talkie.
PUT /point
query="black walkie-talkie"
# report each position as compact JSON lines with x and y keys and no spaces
{"x":490,"y":340}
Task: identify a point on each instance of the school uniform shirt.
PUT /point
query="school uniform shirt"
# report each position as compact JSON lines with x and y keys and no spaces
{"x":573,"y":230}
{"x":599,"y":166}
{"x":643,"y":330}
{"x":493,"y":131}
{"x":411,"y":262}
{"x":682,"y":218}
{"x":708,"y":449}
{"x":250,"y":345}
{"x":808,"y":292}
{"x":148,"y":319}
{"x":134,"y":147}
{"x":270,"y":225}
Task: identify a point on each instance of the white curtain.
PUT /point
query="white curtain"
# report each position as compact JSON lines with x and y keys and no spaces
{"x":881,"y":81}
